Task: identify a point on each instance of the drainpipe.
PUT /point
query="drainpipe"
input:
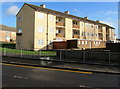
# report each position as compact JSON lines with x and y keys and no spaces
{"x":47,"y":32}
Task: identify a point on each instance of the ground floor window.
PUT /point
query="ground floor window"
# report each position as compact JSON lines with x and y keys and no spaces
{"x":40,"y":42}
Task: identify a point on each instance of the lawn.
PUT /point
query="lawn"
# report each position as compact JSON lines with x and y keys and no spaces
{"x":24,"y":52}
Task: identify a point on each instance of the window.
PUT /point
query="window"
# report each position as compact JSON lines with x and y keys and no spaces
{"x":19,"y":42}
{"x":92,"y":26}
{"x":19,"y":18}
{"x":50,"y":42}
{"x":40,"y":42}
{"x":77,"y":32}
{"x":96,"y":42}
{"x":99,"y":43}
{"x":74,"y":22}
{"x":88,"y":34}
{"x":82,"y":42}
{"x":96,"y":27}
{"x":7,"y":38}
{"x":19,"y":30}
{"x":96,"y":34}
{"x":40,"y":28}
{"x":92,"y":34}
{"x":78,"y":42}
{"x":82,"y":23}
{"x":87,"y":25}
{"x":58,"y":31}
{"x":51,"y":17}
{"x":82,"y":33}
{"x":40,"y":15}
{"x":51,"y":29}
{"x":86,"y":42}
{"x":7,"y":32}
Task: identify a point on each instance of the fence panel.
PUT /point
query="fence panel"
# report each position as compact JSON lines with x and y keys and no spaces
{"x":77,"y":56}
{"x":97,"y":57}
{"x":115,"y":58}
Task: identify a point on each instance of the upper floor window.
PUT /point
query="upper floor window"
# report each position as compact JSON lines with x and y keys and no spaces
{"x":51,"y":17}
{"x":96,"y":27}
{"x":92,"y":34}
{"x":82,"y":23}
{"x":7,"y":38}
{"x":59,"y":20}
{"x":51,"y":29}
{"x":59,"y":31}
{"x":87,"y":25}
{"x":74,"y":22}
{"x":7,"y":32}
{"x":40,"y":28}
{"x":40,"y":15}
{"x":82,"y":33}
{"x":19,"y":30}
{"x":77,"y":32}
{"x":92,"y":26}
{"x":19,"y":18}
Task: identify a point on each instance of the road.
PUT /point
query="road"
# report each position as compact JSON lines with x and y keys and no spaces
{"x":28,"y":76}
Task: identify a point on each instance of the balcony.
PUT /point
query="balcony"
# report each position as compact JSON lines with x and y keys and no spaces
{"x":76,"y":36}
{"x":60,"y":35}
{"x":60,"y":23}
{"x":107,"y":31}
{"x":100,"y":38}
{"x":76,"y":26}
{"x":99,"y":30}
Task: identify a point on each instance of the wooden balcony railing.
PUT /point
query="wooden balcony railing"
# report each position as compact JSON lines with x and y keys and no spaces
{"x":60,"y":35}
{"x":76,"y":26}
{"x":60,"y":23}
{"x":107,"y":32}
{"x":76,"y":36}
{"x":99,"y":30}
{"x":100,"y":38}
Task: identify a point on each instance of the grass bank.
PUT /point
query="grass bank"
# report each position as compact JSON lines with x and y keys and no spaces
{"x":24,"y":52}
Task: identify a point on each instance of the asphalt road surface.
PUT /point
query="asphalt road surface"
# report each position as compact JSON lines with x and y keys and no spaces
{"x":27,"y":76}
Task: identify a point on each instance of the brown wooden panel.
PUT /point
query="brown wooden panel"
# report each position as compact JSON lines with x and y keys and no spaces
{"x":60,"y":45}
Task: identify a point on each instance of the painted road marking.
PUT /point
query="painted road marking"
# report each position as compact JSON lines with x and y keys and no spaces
{"x":48,"y":68}
{"x":20,"y":77}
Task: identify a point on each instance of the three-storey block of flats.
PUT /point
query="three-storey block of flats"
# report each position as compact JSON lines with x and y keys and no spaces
{"x":41,"y":28}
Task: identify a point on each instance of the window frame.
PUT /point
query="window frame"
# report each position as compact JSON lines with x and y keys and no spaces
{"x":40,"y":29}
{"x":40,"y":42}
{"x":40,"y":15}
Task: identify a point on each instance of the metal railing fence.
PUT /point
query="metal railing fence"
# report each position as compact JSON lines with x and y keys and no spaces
{"x":74,"y":56}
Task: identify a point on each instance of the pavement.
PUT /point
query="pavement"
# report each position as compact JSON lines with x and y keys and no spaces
{"x":29,"y":76}
{"x":60,"y":65}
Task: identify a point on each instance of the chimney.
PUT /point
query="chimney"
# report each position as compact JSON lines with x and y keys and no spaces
{"x":67,"y":12}
{"x":85,"y":17}
{"x":43,"y":5}
{"x":97,"y":21}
